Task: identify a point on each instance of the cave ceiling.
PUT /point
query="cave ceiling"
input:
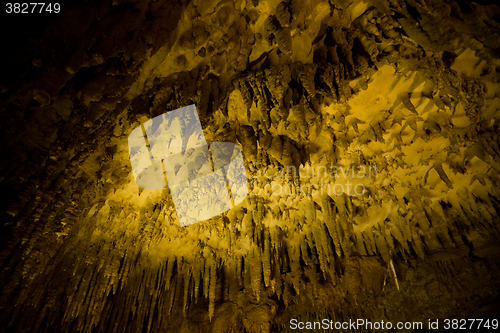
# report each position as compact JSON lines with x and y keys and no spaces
{"x":370,"y":136}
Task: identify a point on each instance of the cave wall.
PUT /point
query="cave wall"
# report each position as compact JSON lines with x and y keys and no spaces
{"x":407,"y":88}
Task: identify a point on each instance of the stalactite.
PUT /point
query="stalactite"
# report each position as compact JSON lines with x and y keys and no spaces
{"x":332,"y":226}
{"x":168,"y":274}
{"x":418,"y":246}
{"x":320,"y":239}
{"x":186,"y":289}
{"x":239,"y":273}
{"x":266,"y":258}
{"x":369,"y":241}
{"x":171,"y":293}
{"x":256,"y":274}
{"x":382,"y":247}
{"x":360,"y":245}
{"x":285,"y":40}
{"x":296,"y":270}
{"x":439,"y":168}
{"x":306,"y":77}
{"x":212,"y":289}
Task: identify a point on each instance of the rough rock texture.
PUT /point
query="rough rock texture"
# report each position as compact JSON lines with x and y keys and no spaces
{"x":406,"y":89}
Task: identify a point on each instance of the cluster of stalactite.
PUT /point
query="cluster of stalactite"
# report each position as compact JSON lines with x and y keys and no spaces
{"x":386,"y":86}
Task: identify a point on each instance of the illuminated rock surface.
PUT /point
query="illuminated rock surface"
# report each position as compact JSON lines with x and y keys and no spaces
{"x":399,"y":99}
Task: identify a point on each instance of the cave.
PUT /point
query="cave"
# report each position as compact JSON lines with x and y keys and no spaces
{"x":368,"y":136}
